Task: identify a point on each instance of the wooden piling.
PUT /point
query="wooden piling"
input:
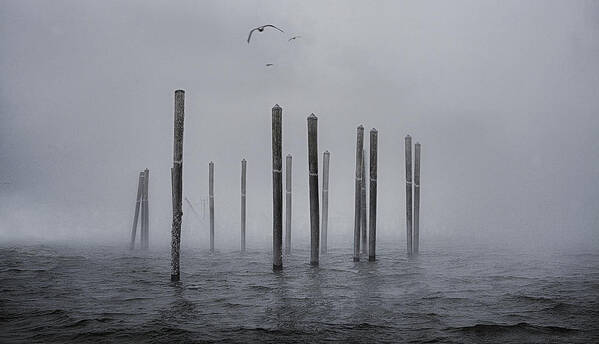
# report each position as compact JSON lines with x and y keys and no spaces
{"x":363,"y":206}
{"x":358,"y":191}
{"x":416,"y":243}
{"x":288,"y":164}
{"x":145,"y":242}
{"x":211,"y":196}
{"x":177,"y":190}
{"x":243,"y":190}
{"x":313,"y":179}
{"x":137,"y":206}
{"x":409,"y":194}
{"x":326,"y":156}
{"x":373,"y":177}
{"x":277,"y":189}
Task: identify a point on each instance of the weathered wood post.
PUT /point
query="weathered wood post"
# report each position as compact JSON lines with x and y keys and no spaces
{"x":146,"y":211}
{"x":211,"y":196}
{"x":409,"y":194}
{"x":416,"y":243}
{"x":313,"y":179}
{"x":243,"y":189}
{"x":363,"y":205}
{"x":325,"y":201}
{"x":288,"y":161}
{"x":177,"y":190}
{"x":137,"y":205}
{"x":277,"y":189}
{"x":373,"y":176}
{"x":358,"y":192}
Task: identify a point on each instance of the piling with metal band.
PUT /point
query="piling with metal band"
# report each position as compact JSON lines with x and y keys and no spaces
{"x":137,"y":205}
{"x":313,"y":179}
{"x":288,"y":161}
{"x":358,"y":191}
{"x":177,"y":190}
{"x":243,"y":189}
{"x":325,"y":201}
{"x":409,"y":194}
{"x":277,"y":189}
{"x":211,"y":196}
{"x":416,"y":243}
{"x":363,"y":205}
{"x":373,"y":177}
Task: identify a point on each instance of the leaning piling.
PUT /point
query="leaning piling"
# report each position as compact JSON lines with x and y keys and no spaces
{"x":145,"y":241}
{"x":137,"y":205}
{"x":177,"y":181}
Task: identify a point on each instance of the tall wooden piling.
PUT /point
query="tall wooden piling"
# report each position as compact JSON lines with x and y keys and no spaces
{"x":358,"y":192}
{"x":211,"y":196}
{"x":373,"y":177}
{"x":145,"y":242}
{"x":277,"y":189}
{"x":313,"y":179}
{"x":177,"y":191}
{"x":409,"y":194}
{"x":363,"y":205}
{"x":288,"y":163}
{"x":416,"y":243}
{"x":326,"y":157}
{"x":137,"y":206}
{"x":243,"y":189}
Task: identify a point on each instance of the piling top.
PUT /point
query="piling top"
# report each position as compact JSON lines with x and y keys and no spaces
{"x":408,"y":136}
{"x":179,"y":91}
{"x":312,"y":116}
{"x":242,"y":160}
{"x":276,"y":106}
{"x":373,"y":130}
{"x":417,"y":143}
{"x":211,"y":163}
{"x":326,"y":152}
{"x":360,"y":127}
{"x":289,"y":155}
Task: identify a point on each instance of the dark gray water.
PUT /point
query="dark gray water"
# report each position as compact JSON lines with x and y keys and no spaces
{"x":105,"y":294}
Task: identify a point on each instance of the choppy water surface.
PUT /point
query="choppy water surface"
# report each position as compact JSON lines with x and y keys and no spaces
{"x":102,"y":294}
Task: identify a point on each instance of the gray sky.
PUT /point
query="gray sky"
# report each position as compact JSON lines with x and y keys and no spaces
{"x":503,"y":96}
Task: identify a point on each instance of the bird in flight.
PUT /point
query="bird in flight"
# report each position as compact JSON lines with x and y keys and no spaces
{"x":294,"y":37}
{"x":260,"y":29}
{"x":269,"y":64}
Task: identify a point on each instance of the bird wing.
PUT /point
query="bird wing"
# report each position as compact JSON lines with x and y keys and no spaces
{"x":294,"y":37}
{"x":272,"y":27}
{"x":250,"y":36}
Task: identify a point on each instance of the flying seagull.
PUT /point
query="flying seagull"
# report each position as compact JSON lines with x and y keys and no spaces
{"x":294,"y":37}
{"x":269,"y":64}
{"x":260,"y":29}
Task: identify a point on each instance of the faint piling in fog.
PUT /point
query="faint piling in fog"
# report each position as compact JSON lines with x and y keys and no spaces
{"x":177,"y":184}
{"x":137,"y":206}
{"x":211,"y":197}
{"x":277,"y":189}
{"x":358,"y":191}
{"x":326,"y":157}
{"x":373,"y":177}
{"x":243,"y":190}
{"x":416,"y":243}
{"x":145,"y":240}
{"x":409,"y":194}
{"x":363,"y":206}
{"x":313,"y":179}
{"x":288,"y":164}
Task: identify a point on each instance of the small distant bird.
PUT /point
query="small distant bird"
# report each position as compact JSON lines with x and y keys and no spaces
{"x":294,"y":37}
{"x":260,"y":29}
{"x":269,"y":64}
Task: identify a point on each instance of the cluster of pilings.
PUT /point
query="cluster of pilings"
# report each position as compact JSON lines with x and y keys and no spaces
{"x":364,"y":205}
{"x":142,"y":208}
